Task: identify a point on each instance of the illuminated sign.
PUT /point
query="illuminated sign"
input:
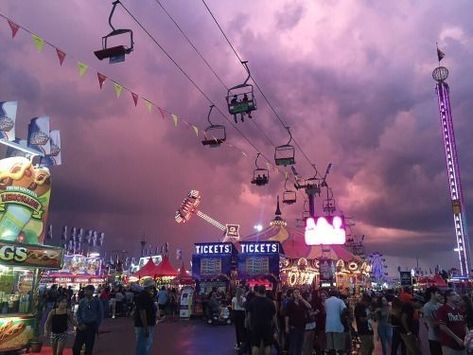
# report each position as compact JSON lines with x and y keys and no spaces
{"x":327,"y":230}
{"x":30,"y":255}
{"x":232,"y":231}
{"x":260,"y":247}
{"x":213,"y":248}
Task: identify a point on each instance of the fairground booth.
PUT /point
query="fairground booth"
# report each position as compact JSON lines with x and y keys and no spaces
{"x":77,"y":271}
{"x":25,"y":188}
{"x":321,"y":265}
{"x":163,"y":273}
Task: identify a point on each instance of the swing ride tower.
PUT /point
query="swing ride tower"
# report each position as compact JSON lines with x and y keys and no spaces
{"x":440,"y":74}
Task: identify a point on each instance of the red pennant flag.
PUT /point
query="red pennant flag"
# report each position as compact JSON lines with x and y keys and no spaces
{"x":101,"y":78}
{"x":135,"y":98}
{"x":61,"y":55}
{"x":161,"y":112}
{"x":14,"y":28}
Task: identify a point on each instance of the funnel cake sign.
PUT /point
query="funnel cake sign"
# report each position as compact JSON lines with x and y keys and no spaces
{"x":24,"y":200}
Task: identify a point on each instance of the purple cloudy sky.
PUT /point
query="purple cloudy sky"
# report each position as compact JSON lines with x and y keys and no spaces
{"x":351,"y":78}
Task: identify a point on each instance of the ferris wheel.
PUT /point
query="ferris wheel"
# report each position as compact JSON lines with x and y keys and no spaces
{"x":378,"y":267}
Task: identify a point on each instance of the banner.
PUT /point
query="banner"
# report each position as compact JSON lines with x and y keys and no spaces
{"x":8,"y":119}
{"x":30,"y":255}
{"x":54,"y":158}
{"x":38,"y":135}
{"x":24,"y":201}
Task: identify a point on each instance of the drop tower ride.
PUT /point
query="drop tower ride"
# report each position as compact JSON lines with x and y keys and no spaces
{"x":440,"y":74}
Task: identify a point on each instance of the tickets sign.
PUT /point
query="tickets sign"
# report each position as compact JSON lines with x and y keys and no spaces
{"x":30,"y":255}
{"x":24,"y":200}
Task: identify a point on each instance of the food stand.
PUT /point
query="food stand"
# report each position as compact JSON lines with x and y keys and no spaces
{"x":24,"y":201}
{"x":258,"y":262}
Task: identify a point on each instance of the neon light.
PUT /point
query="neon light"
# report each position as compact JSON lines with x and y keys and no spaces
{"x":324,"y":233}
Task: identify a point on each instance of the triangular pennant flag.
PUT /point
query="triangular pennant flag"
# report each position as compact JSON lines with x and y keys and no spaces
{"x":14,"y":28}
{"x":38,"y":42}
{"x":149,"y":104}
{"x":118,"y":88}
{"x":243,"y":153}
{"x":135,"y":98}
{"x":440,"y":54}
{"x":82,"y":68}
{"x":175,"y":119}
{"x":101,"y":79}
{"x":61,"y":56}
{"x":161,"y":112}
{"x":196,"y":130}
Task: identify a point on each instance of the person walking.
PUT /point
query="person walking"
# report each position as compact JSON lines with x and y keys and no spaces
{"x":145,"y":318}
{"x":395,"y":314}
{"x":334,"y":329}
{"x":431,"y":320}
{"x":57,"y":323}
{"x":89,"y":317}
{"x":238,"y":313}
{"x":163,"y":300}
{"x":296,"y":318}
{"x":384,"y":327}
{"x":363,"y":325}
{"x":261,"y":320}
{"x":453,"y":327}
{"x":409,"y":327}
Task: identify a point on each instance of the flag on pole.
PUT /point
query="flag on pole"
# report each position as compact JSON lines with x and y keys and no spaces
{"x":38,"y":42}
{"x":14,"y":28}
{"x":440,"y":54}
{"x":50,"y":232}
{"x":60,"y":55}
{"x":101,"y":79}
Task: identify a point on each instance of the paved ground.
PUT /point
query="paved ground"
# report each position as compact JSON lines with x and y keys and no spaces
{"x":193,"y":337}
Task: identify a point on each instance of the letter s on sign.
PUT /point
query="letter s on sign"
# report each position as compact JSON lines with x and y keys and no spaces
{"x":21,"y":254}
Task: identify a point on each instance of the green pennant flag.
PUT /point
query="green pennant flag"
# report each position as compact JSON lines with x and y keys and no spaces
{"x":82,"y":68}
{"x":118,"y":88}
{"x":38,"y":42}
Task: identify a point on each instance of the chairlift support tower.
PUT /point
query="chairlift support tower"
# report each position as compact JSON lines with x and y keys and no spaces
{"x":440,"y":74}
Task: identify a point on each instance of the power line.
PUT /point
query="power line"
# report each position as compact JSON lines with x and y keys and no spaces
{"x":284,"y":124}
{"x":263,"y":133}
{"x":188,"y":77}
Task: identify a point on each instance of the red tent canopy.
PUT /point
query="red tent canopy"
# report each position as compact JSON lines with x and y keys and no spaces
{"x":165,"y":268}
{"x":149,"y":270}
{"x":439,"y":281}
{"x":183,"y":278}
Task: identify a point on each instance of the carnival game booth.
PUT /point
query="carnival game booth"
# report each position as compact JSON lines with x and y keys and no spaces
{"x":320,"y":265}
{"x":213,"y":266}
{"x":77,"y":271}
{"x":165,"y":272}
{"x":183,"y":278}
{"x":258,"y":263}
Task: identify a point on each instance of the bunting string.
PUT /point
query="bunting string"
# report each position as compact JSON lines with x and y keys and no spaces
{"x":83,"y":69}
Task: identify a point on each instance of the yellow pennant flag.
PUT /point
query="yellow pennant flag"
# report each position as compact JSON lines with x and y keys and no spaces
{"x":149,"y":104}
{"x":196,"y":130}
{"x":175,"y":119}
{"x":118,"y":88}
{"x":38,"y":42}
{"x":82,"y":68}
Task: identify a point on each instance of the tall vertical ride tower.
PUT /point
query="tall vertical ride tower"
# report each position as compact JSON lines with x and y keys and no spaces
{"x":440,"y":74}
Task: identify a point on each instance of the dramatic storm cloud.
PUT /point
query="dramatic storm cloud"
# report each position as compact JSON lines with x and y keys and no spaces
{"x":351,"y":78}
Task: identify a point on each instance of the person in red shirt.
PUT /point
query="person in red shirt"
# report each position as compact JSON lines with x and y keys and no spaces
{"x":452,"y":325}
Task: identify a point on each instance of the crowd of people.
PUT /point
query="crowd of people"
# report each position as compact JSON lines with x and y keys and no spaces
{"x":305,"y":322}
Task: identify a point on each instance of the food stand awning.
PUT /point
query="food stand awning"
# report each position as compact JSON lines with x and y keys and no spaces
{"x":149,"y":270}
{"x":165,"y":268}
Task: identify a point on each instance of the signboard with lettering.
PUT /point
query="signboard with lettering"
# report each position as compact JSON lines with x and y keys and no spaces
{"x":259,"y":259}
{"x":20,"y":254}
{"x":406,"y":278}
{"x":212,"y":260}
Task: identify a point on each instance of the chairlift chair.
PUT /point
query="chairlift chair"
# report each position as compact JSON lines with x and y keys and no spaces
{"x":241,"y":98}
{"x":284,"y":154}
{"x":260,"y":175}
{"x":115,"y":54}
{"x":215,"y":135}
{"x":289,"y":196}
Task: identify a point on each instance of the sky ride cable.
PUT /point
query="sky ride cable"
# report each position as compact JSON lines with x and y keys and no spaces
{"x":283,"y":123}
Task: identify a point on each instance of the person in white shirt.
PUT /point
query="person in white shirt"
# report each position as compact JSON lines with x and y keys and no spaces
{"x":238,"y":313}
{"x":334,"y":329}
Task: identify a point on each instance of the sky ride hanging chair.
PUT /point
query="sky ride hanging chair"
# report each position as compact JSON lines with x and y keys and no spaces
{"x":289,"y":196}
{"x":260,"y":175}
{"x":214,"y":134}
{"x":240,"y":98}
{"x":115,"y":54}
{"x":284,"y":154}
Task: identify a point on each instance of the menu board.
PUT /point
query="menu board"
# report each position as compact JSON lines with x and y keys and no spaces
{"x":210,"y":266}
{"x":257,"y":265}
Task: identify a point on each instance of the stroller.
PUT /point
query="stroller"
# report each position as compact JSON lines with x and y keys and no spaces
{"x":218,"y":313}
